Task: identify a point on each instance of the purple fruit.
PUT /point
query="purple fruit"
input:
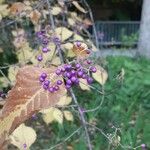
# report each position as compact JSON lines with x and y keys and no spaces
{"x":44,"y":75}
{"x":89,"y":80}
{"x":40,"y":58}
{"x":68,"y":86}
{"x":77,"y":66}
{"x":73,"y":79}
{"x":51,"y":89}
{"x":68,"y":74}
{"x":47,"y":82}
{"x":59,"y":82}
{"x":41,"y":79}
{"x":80,"y":73}
{"x":56,"y":87}
{"x":45,"y":87}
{"x":45,"y":50}
{"x":58,"y":72}
{"x":68,"y":82}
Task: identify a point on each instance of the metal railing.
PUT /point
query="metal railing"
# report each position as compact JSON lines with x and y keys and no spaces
{"x":117,"y":32}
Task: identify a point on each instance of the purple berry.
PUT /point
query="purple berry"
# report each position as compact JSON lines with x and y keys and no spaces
{"x":73,"y":72}
{"x":88,"y":52}
{"x":89,"y":62}
{"x":44,"y":75}
{"x":93,"y":69}
{"x":41,"y":79}
{"x":78,"y":44}
{"x":45,"y":50}
{"x":51,"y":89}
{"x":56,"y":87}
{"x":58,"y":72}
{"x":80,"y":73}
{"x":73,"y":79}
{"x":68,"y":67}
{"x":45,"y":87}
{"x":59,"y":82}
{"x":47,"y":82}
{"x":84,"y":76}
{"x":89,"y":80}
{"x":77,"y":81}
{"x":68,"y":74}
{"x":77,"y":66}
{"x":68,"y":86}
{"x":40,"y":58}
{"x":62,"y":69}
{"x":69,"y":82}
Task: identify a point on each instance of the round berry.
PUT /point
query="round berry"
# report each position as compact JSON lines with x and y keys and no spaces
{"x":44,"y":75}
{"x":89,"y":61}
{"x":68,"y":82}
{"x":78,"y":66}
{"x":51,"y":89}
{"x":77,"y":81}
{"x":68,"y":74}
{"x":93,"y":69}
{"x":73,"y":72}
{"x":40,"y":58}
{"x":59,"y":82}
{"x":78,"y":44}
{"x":73,"y":79}
{"x":88,"y":52}
{"x":68,"y":86}
{"x":62,"y":69}
{"x":56,"y":87}
{"x":41,"y":79}
{"x":84,"y":76}
{"x":68,"y":67}
{"x":80,"y":73}
{"x":90,"y":80}
{"x":45,"y":50}
{"x":47,"y":82}
{"x":45,"y":87}
{"x":58,"y":72}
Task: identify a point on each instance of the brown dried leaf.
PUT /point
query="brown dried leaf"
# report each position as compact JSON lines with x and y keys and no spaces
{"x":76,"y":4}
{"x":35,"y":16}
{"x":17,"y":8}
{"x":26,"y":98}
{"x":81,"y":51}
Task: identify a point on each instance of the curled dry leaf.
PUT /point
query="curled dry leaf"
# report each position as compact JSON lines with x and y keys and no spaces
{"x":4,"y":11}
{"x":81,"y":51}
{"x":76,"y":4}
{"x":65,"y":100}
{"x":26,"y":98}
{"x":71,"y":22}
{"x":100,"y":75}
{"x":23,"y":137}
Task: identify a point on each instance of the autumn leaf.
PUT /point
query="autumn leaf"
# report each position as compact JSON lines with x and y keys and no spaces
{"x":35,"y":15}
{"x":56,"y":10}
{"x":17,"y":8}
{"x":81,"y":51}
{"x":100,"y":75}
{"x":26,"y":98}
{"x":63,"y":33}
{"x":84,"y":85}
{"x":68,"y":115}
{"x":23,"y":137}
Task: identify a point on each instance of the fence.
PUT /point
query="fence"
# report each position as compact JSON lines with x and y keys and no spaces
{"x":117,"y":32}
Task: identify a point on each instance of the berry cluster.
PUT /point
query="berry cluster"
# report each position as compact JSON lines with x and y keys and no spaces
{"x":47,"y":85}
{"x":73,"y":72}
{"x":44,"y":40}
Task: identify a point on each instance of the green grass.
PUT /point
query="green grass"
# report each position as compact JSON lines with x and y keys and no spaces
{"x":126,"y":105}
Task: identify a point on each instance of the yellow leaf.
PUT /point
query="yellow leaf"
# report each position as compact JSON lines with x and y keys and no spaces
{"x":3,"y":82}
{"x":76,"y":4}
{"x":56,"y":10}
{"x":63,"y":33}
{"x":68,"y":115}
{"x":23,"y":137}
{"x":4,"y":11}
{"x":58,"y":115}
{"x":71,"y":22}
{"x":70,"y":53}
{"x":65,"y":100}
{"x":83,"y":84}
{"x":47,"y":115}
{"x":12,"y":71}
{"x":35,"y":16}
{"x":77,"y":37}
{"x":56,"y":61}
{"x":67,"y":46}
{"x":100,"y":75}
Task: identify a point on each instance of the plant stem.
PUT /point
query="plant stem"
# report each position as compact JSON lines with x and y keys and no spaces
{"x":71,"y":91}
